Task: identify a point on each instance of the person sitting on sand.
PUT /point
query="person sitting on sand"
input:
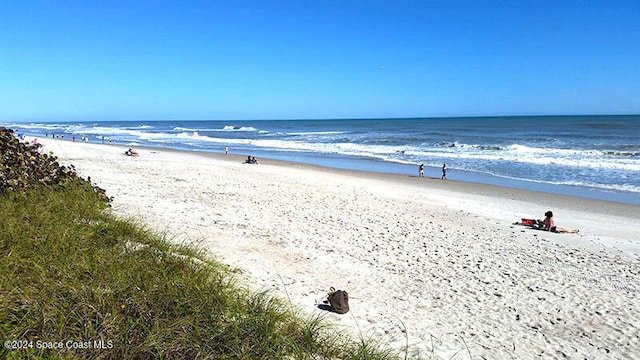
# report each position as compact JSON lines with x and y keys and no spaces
{"x":549,"y":225}
{"x":130,"y":152}
{"x":251,"y":160}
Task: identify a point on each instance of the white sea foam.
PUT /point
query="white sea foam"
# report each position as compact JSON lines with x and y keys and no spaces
{"x":226,"y":128}
{"x":122,"y":132}
{"x":407,"y":154}
{"x":238,"y":128}
{"x":539,"y":156}
{"x":35,"y":126}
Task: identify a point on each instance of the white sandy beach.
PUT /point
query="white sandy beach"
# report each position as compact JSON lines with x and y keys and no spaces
{"x":438,"y":264}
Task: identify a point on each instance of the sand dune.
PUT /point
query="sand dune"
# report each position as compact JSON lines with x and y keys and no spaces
{"x":437,"y":264}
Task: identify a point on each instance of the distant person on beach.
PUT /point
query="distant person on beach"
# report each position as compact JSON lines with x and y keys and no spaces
{"x":550,"y":225}
{"x":251,"y":160}
{"x":421,"y":170}
{"x":130,"y":152}
{"x":226,"y":150}
{"x":444,"y":172}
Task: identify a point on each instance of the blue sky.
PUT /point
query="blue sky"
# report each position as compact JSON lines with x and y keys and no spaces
{"x":137,"y":60}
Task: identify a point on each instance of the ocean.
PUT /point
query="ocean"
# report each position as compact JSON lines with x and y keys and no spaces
{"x":588,"y":156}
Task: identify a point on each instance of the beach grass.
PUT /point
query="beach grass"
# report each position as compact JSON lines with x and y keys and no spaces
{"x":91,"y":285}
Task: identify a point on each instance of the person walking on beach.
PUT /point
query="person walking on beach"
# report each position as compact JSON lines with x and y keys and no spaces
{"x":444,"y":172}
{"x":421,"y":170}
{"x":226,"y":150}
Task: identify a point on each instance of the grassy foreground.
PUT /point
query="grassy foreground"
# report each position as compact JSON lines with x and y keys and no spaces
{"x":76,"y":282}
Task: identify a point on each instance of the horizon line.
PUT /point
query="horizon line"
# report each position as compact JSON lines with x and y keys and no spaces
{"x":342,"y":119}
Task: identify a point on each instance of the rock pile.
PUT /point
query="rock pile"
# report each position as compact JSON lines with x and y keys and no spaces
{"x":24,"y":167}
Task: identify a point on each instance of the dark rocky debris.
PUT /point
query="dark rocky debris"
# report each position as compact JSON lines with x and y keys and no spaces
{"x":24,"y":166}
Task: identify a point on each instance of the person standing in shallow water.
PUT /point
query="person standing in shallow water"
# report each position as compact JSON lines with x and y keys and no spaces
{"x":421,"y":170}
{"x":444,"y":172}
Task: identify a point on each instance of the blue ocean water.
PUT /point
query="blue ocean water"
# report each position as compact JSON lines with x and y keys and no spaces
{"x":589,"y":156}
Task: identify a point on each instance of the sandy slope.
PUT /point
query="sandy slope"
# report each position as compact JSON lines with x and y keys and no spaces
{"x":435,"y":263}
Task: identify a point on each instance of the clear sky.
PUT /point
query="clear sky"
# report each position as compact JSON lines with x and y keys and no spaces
{"x":266,"y":59}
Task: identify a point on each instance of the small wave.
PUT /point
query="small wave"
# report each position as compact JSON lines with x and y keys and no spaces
{"x":518,"y":148}
{"x":203,"y":138}
{"x":489,"y":147}
{"x":307,"y":133}
{"x":130,"y":134}
{"x":446,"y":144}
{"x":226,"y":128}
{"x":239,"y":128}
{"x":523,"y":149}
{"x":621,"y":153}
{"x":35,"y":126}
{"x":486,"y":147}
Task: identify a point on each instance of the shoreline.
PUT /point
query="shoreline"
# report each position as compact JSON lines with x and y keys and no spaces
{"x":385,"y":167}
{"x":455,"y":184}
{"x":443,"y":257}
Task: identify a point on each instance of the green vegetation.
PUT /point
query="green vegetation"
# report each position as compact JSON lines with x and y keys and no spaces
{"x":73,"y":275}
